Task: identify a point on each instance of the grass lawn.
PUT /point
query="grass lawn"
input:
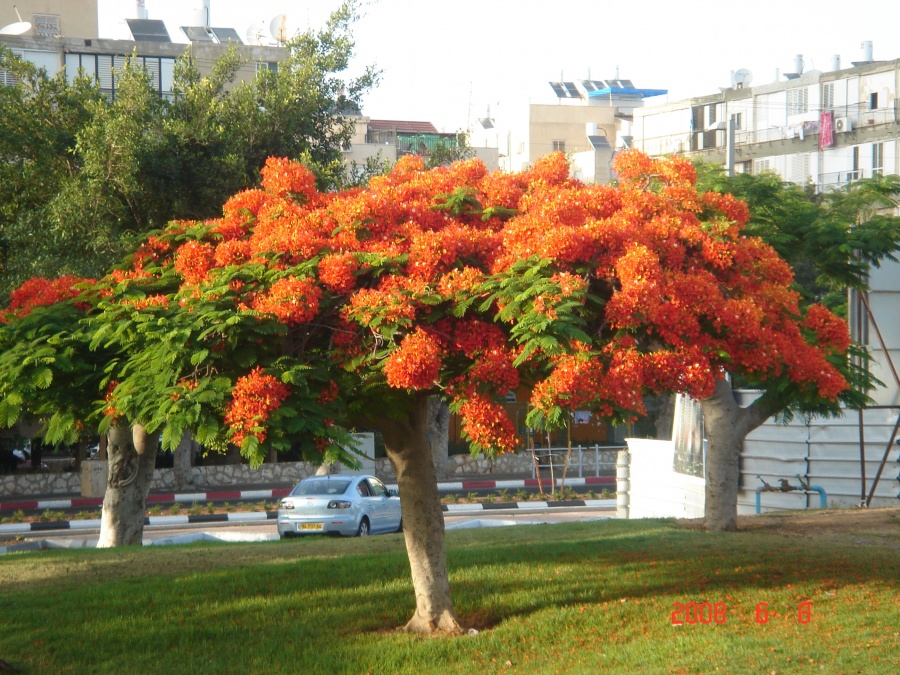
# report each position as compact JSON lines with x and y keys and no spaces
{"x":580,"y":598}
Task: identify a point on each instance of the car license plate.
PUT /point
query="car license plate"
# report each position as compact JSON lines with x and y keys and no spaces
{"x":310,"y":526}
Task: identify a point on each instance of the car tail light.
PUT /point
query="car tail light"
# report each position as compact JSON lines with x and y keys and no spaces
{"x":286,"y":504}
{"x":338,"y":504}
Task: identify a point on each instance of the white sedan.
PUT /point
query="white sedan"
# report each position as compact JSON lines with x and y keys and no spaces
{"x":339,"y":504}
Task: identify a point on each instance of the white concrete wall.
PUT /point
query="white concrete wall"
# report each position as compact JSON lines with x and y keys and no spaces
{"x":656,"y":491}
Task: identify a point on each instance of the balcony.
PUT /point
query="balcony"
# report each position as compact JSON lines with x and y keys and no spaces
{"x":711,"y":143}
{"x":412,"y":144}
{"x":839,"y":179}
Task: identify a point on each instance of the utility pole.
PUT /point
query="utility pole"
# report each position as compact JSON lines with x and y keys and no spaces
{"x":729,"y":146}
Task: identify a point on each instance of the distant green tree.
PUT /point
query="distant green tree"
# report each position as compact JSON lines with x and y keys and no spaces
{"x":450,"y":150}
{"x":830,"y":239}
{"x":90,"y":175}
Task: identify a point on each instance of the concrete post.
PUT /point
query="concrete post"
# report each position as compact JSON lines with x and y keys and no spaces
{"x":623,"y":484}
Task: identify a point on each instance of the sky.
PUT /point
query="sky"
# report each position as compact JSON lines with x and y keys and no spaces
{"x":450,"y":61}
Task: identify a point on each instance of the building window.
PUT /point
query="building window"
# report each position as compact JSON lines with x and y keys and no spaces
{"x":797,"y":101}
{"x":761,"y":166}
{"x":267,"y":65}
{"x":828,"y":96}
{"x":710,"y":115}
{"x":878,"y":159}
{"x":853,"y":174}
{"x":873,"y":101}
{"x":559,"y":145}
{"x":738,"y":121}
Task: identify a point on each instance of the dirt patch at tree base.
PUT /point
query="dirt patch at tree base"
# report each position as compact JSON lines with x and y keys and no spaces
{"x":876,"y":527}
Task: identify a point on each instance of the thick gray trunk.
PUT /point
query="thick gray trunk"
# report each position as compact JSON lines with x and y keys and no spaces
{"x":439,"y":434}
{"x":665,"y":420}
{"x":406,"y":443}
{"x":132,"y":458}
{"x":181,"y":464}
{"x":727,"y":425}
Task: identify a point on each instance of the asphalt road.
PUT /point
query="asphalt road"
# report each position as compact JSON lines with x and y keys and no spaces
{"x":265,"y":530}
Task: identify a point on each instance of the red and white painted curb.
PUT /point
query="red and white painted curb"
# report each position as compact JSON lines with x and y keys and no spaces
{"x":248,"y":495}
{"x":256,"y":516}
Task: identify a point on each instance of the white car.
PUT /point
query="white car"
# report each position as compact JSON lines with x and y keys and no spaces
{"x":339,"y":504}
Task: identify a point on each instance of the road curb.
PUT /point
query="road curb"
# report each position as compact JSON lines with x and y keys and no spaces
{"x":277,"y":493}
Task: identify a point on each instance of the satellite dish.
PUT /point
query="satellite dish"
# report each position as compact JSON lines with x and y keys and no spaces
{"x":17,"y":28}
{"x":278,"y":28}
{"x":741,"y":78}
{"x":256,"y":33}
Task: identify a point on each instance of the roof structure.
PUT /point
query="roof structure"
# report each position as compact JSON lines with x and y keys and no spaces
{"x":402,"y":126}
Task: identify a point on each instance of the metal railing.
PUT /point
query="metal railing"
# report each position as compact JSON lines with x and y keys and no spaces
{"x":553,"y":460}
{"x":859,"y":115}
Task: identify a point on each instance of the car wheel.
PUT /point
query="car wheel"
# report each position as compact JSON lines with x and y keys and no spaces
{"x":363,"y":530}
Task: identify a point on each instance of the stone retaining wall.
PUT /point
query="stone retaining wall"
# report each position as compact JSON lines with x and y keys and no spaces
{"x":226,"y":475}
{"x":25,"y":484}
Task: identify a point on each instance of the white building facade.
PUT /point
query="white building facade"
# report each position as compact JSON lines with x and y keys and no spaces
{"x":822,"y":129}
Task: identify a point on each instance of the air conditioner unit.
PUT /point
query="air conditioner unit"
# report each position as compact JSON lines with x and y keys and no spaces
{"x":842,"y":124}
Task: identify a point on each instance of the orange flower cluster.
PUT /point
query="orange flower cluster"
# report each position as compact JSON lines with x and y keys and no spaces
{"x":285,"y":178}
{"x":412,"y":254}
{"x":338,"y":272}
{"x":193,"y":260}
{"x":416,"y":364}
{"x":156,"y":300}
{"x":41,"y":292}
{"x":830,"y":330}
{"x":254,"y":398}
{"x":487,"y":425}
{"x":293,"y":301}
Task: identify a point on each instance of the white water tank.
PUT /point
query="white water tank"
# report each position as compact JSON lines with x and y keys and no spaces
{"x":201,"y":14}
{"x":867,"y":50}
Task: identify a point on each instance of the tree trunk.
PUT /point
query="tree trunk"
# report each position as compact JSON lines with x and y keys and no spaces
{"x":182,"y":474}
{"x":407,"y":446}
{"x":665,"y":420}
{"x":439,"y":434}
{"x":727,"y":425}
{"x":132,"y":458}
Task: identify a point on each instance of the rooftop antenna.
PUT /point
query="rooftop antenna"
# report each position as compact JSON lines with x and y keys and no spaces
{"x":741,"y":78}
{"x":278,"y":28}
{"x":256,"y":33}
{"x":18,"y":28}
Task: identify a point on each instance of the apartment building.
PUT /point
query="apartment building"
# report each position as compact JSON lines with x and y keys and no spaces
{"x":822,"y":129}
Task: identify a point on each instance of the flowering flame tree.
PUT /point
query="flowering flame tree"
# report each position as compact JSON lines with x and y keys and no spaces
{"x":299,"y":313}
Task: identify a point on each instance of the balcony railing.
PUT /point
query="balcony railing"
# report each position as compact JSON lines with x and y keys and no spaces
{"x":412,"y":144}
{"x":838,"y":179}
{"x":706,"y":141}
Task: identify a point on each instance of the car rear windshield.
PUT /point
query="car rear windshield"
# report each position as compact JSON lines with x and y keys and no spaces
{"x":321,"y":487}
